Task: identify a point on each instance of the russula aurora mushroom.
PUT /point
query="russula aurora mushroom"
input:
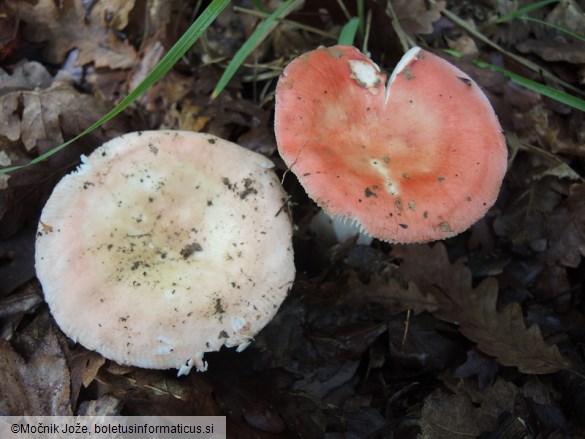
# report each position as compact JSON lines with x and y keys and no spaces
{"x":418,"y":159}
{"x":163,"y":246}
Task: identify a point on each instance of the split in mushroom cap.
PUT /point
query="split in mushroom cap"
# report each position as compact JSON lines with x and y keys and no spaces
{"x":165,"y":245}
{"x":418,"y":160}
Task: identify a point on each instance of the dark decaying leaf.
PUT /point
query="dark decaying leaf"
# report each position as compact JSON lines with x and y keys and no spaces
{"x":16,"y":260}
{"x":38,"y":382}
{"x":480,"y":365}
{"x":10,"y":39}
{"x":553,"y":51}
{"x":251,"y":396}
{"x":395,"y":297}
{"x":554,"y":45}
{"x":24,"y":301}
{"x":566,"y":243}
{"x":21,"y":201}
{"x":366,"y":422}
{"x":445,"y":416}
{"x":524,"y":218}
{"x":572,"y":387}
{"x":157,"y":393}
{"x":540,"y":417}
{"x":497,"y":332}
{"x":421,"y":344}
{"x":576,"y":203}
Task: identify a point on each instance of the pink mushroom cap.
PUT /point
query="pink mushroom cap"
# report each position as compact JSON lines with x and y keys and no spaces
{"x":418,"y":159}
{"x":165,"y":245}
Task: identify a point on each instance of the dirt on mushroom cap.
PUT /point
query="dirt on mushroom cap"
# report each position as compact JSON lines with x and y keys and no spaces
{"x":420,"y":161}
{"x":166,"y":245}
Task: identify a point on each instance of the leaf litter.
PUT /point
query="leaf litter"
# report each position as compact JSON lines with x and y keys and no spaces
{"x":501,"y":333}
{"x":475,"y":336}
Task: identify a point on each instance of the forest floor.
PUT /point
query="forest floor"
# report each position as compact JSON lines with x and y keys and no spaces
{"x":480,"y":335}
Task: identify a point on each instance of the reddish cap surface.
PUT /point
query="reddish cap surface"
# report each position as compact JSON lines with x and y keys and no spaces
{"x":165,"y":245}
{"x":420,"y":161}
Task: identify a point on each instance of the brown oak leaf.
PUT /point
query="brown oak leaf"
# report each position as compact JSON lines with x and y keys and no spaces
{"x":69,"y":25}
{"x":396,"y":297}
{"x":415,"y":17}
{"x":501,"y":333}
{"x":44,"y":112}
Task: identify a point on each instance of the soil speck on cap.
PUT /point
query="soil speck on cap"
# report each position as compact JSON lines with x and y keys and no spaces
{"x":190,"y":249}
{"x":218,"y":307}
{"x":248,"y":188}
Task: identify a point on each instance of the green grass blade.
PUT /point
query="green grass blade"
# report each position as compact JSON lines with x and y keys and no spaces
{"x":348,"y":32}
{"x":525,"y":62}
{"x":554,"y":26}
{"x":254,"y":41}
{"x":295,"y":24}
{"x":545,"y":90}
{"x":166,"y":63}
{"x":521,"y":14}
{"x":525,"y":10}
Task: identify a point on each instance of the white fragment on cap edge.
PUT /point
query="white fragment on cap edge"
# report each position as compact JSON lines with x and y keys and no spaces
{"x":242,"y":346}
{"x":404,"y":61}
{"x":365,"y":73}
{"x":186,"y":368}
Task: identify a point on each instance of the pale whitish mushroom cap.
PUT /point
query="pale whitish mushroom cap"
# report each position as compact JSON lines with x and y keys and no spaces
{"x":416,"y":159}
{"x":165,"y":245}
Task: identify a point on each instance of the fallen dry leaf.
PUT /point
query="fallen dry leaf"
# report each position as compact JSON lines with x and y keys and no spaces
{"x":16,"y":261}
{"x":566,"y":243}
{"x":10,"y":39}
{"x":105,"y":405}
{"x":524,"y":219}
{"x":44,"y":118}
{"x":422,"y":344}
{"x":28,"y":75}
{"x":497,"y":332}
{"x":553,"y":51}
{"x":446,"y":416}
{"x":69,"y":25}
{"x":480,"y":365}
{"x":84,"y":366}
{"x":576,"y":202}
{"x":38,"y":385}
{"x":416,"y":17}
{"x":393,"y":295}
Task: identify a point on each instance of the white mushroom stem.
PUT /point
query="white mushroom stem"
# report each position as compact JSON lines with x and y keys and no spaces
{"x":337,"y":229}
